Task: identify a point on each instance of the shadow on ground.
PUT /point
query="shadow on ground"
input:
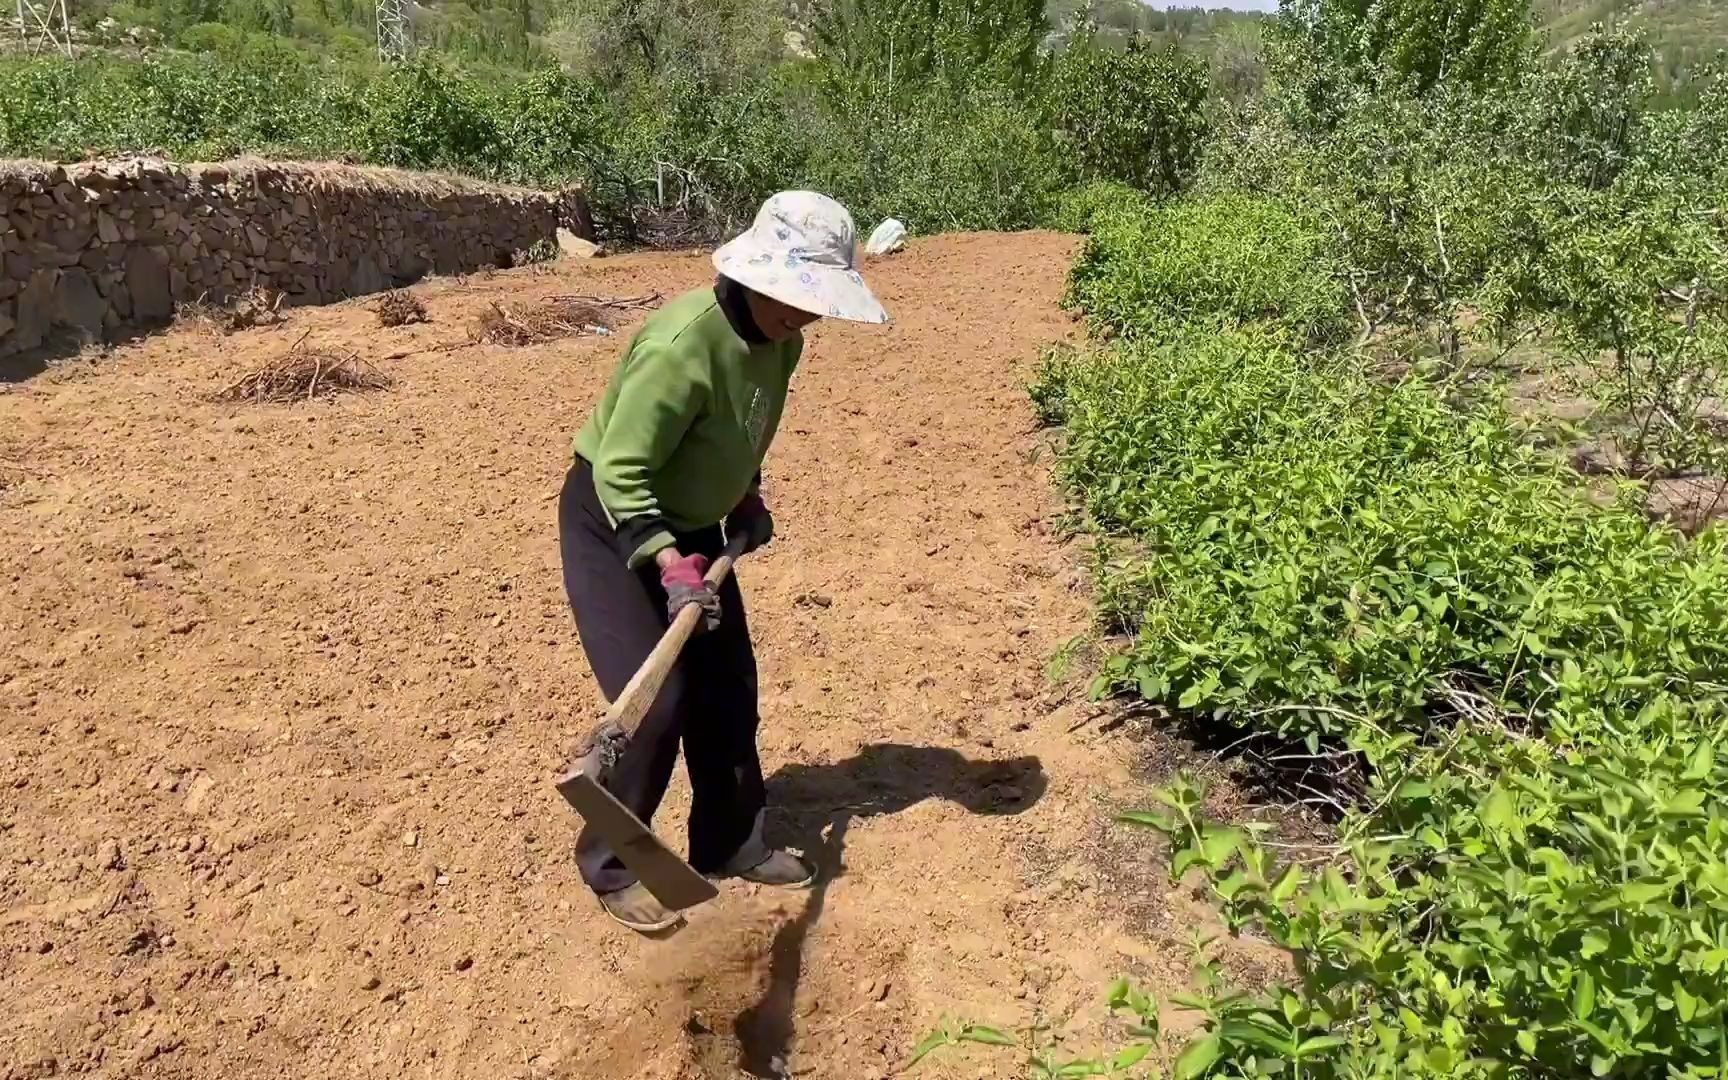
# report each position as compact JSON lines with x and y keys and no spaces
{"x":810,"y":800}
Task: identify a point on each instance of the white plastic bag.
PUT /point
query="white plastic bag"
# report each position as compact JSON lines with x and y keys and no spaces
{"x":889,"y":237}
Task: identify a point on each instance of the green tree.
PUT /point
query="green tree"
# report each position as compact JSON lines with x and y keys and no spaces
{"x":1136,"y":116}
{"x":1423,"y":42}
{"x":899,"y":42}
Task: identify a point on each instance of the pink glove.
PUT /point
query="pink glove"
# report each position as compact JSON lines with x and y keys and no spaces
{"x":682,"y":580}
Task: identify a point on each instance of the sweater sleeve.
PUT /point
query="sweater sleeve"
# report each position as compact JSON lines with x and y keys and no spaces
{"x":659,"y":395}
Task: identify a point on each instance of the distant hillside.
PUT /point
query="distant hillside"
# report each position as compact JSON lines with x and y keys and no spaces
{"x":1687,"y":34}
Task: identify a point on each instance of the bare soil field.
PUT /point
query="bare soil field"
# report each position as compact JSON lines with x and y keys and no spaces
{"x":283,"y":687}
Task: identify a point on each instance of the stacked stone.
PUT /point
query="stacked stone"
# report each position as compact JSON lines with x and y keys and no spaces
{"x":94,"y":249}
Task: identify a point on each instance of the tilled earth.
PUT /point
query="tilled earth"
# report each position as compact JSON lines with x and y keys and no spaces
{"x":282,"y":688}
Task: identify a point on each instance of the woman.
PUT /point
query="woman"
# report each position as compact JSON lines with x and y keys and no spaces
{"x":669,"y":464}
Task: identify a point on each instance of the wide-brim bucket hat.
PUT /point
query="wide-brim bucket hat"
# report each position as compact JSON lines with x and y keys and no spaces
{"x":802,"y":250}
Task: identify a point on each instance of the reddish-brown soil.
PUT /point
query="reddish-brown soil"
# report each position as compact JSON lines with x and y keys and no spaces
{"x":282,"y":688}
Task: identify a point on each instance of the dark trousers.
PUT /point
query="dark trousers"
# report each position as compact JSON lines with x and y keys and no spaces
{"x":708,"y":702}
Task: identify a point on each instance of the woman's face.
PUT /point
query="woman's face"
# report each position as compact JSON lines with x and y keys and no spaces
{"x":778,"y":321}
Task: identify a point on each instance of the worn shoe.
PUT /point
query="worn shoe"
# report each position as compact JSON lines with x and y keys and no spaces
{"x":635,"y":907}
{"x":780,"y":868}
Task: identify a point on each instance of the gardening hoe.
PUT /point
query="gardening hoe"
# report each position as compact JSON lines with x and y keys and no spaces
{"x":672,"y":880}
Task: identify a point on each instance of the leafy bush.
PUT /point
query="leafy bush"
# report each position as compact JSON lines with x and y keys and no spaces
{"x":1223,"y":261}
{"x":1087,"y":207}
{"x":1309,"y":536}
{"x":902,"y":43}
{"x":1136,"y":116}
{"x":1629,"y":284}
{"x":1533,"y":878}
{"x":1512,"y":907}
{"x":940,"y":159}
{"x":1420,"y":43}
{"x":555,"y":128}
{"x":420,"y":116}
{"x":1590,"y":113}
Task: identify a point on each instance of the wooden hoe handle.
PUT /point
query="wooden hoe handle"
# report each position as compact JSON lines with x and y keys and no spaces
{"x":644,"y":686}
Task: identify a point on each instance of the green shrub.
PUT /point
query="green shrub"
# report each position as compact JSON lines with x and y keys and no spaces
{"x":420,"y":116}
{"x":1533,"y":878}
{"x":941,"y":159}
{"x":1085,"y":208}
{"x":1510,"y":907}
{"x":1419,"y":43}
{"x":1222,"y":261}
{"x":1135,"y":116}
{"x":1309,"y":536}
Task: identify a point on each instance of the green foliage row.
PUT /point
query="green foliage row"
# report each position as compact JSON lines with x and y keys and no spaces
{"x":1342,"y":541}
{"x":1534,"y":883}
{"x":964,"y":127}
{"x":1219,"y":261}
{"x":1303,"y":532}
{"x":1515,"y":907}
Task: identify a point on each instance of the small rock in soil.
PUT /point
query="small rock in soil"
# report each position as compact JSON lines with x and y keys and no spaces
{"x":410,"y":839}
{"x":198,"y":794}
{"x":368,"y":877}
{"x":108,"y":855}
{"x":463,"y":963}
{"x":370,"y":981}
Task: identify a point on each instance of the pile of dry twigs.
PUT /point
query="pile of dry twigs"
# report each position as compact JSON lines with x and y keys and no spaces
{"x":557,"y":318}
{"x":256,"y":306}
{"x":302,"y":374}
{"x":399,"y":308}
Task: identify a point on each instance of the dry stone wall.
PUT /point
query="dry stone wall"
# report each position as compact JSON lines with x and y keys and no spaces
{"x":96,"y":249}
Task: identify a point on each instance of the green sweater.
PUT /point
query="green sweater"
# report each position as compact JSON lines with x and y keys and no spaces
{"x":679,"y":437}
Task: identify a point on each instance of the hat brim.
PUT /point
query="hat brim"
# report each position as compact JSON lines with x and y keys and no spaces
{"x":828,"y":291}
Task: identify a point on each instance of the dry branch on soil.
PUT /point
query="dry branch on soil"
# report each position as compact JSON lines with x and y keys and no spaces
{"x":399,"y":308}
{"x":557,"y":318}
{"x":303,"y":374}
{"x":645,"y":302}
{"x":255,"y":307}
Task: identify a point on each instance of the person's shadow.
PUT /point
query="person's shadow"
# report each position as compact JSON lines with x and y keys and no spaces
{"x":884,"y":778}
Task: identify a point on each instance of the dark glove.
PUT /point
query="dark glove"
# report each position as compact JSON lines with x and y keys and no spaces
{"x":751,"y":519}
{"x":682,"y":580}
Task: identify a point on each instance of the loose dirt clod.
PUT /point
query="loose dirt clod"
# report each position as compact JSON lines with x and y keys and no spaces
{"x":399,"y":308}
{"x":302,"y":375}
